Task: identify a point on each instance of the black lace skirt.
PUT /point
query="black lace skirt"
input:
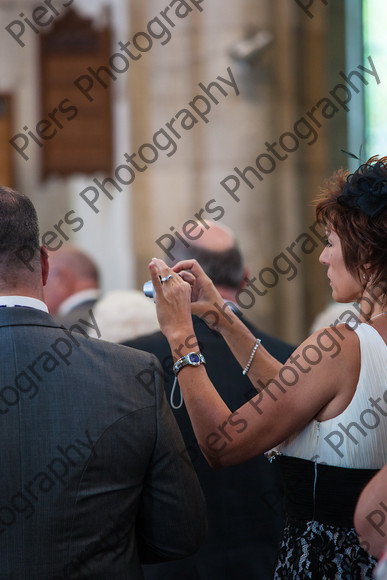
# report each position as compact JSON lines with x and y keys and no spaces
{"x":319,"y":540}
{"x":311,"y":550}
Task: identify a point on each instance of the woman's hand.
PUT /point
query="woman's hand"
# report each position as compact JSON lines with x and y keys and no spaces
{"x":206,"y":302}
{"x":189,"y":291}
{"x":173,"y":301}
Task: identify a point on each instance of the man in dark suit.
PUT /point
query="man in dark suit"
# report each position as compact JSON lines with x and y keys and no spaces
{"x":244,"y":502}
{"x":95,"y":477}
{"x":72,"y":287}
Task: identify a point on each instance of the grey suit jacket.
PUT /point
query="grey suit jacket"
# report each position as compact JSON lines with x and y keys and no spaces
{"x":95,"y":478}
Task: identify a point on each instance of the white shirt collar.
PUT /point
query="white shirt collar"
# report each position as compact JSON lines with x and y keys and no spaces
{"x":23,"y":301}
{"x":76,"y":299}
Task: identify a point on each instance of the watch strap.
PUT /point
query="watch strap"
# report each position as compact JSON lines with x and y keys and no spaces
{"x":192,"y":359}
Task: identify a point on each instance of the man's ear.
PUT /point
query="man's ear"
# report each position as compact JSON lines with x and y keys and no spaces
{"x":44,"y":264}
{"x":246,"y":275}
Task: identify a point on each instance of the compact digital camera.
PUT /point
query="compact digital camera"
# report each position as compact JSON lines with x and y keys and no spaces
{"x":149,"y":290}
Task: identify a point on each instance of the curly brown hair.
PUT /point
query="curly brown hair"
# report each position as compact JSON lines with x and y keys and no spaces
{"x":355,"y":207}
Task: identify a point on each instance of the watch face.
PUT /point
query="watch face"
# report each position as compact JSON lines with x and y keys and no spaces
{"x":194,"y":358}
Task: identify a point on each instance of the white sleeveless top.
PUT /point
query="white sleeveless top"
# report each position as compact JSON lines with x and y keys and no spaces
{"x":357,"y":438}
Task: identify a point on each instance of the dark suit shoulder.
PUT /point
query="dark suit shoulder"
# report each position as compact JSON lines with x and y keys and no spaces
{"x":278,"y":348}
{"x":155,"y":343}
{"x":156,"y":338}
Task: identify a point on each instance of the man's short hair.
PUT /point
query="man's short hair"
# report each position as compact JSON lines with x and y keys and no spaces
{"x":19,"y":230}
{"x":225,"y":268}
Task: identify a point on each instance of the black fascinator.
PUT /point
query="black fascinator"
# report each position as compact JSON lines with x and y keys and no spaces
{"x":366,"y":189}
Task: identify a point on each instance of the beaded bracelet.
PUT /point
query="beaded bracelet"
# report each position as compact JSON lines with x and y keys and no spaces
{"x":247,"y":367}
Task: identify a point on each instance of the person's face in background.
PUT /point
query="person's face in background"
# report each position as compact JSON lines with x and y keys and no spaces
{"x":58,"y":286}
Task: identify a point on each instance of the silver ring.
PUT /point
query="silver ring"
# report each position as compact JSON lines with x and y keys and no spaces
{"x":166,"y":278}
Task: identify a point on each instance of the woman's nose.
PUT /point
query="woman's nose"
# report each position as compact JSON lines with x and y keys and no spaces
{"x":323,"y":259}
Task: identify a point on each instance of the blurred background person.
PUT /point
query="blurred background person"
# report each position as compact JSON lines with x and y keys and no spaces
{"x":73,"y":290}
{"x":335,"y":313}
{"x":124,"y":315}
{"x":244,"y":502}
{"x":73,"y":285}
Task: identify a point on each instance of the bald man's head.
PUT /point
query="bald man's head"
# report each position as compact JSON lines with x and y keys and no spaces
{"x":217,"y":252}
{"x":71,"y":271}
{"x":214,"y":237}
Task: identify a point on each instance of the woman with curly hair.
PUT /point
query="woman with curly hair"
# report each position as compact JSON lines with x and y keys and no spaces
{"x":324,"y":410}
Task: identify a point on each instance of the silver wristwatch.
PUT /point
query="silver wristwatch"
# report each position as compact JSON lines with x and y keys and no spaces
{"x":192,"y":358}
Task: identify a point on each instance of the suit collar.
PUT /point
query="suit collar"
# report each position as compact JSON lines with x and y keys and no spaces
{"x":24,"y":316}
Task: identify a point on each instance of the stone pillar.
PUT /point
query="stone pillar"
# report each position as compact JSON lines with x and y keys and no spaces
{"x":283,"y":82}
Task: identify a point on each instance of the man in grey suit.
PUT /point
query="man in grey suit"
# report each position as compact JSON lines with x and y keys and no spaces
{"x":95,"y":477}
{"x":72,"y":287}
